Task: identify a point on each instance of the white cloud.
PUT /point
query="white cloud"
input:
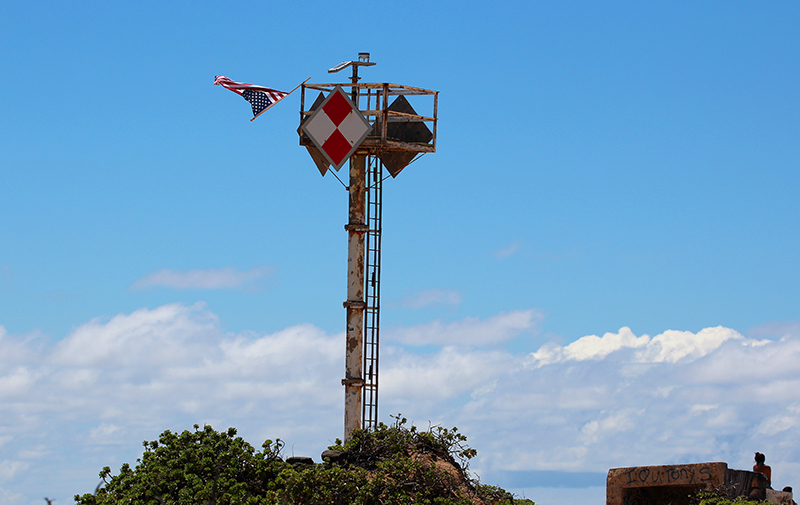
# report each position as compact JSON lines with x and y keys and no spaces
{"x":697,"y":409}
{"x":430,"y":297}
{"x":143,"y":338}
{"x":112,"y":383}
{"x":789,"y":419}
{"x":450,"y":372}
{"x":507,"y":251}
{"x":16,"y":382}
{"x":9,"y":498}
{"x":104,"y":433}
{"x":469,"y":331}
{"x":588,"y":347}
{"x":212,"y":278}
{"x":688,"y":401}
{"x":673,"y":346}
{"x":88,"y":401}
{"x":10,"y":469}
{"x":610,"y":423}
{"x":180,"y":349}
{"x":739,"y":361}
{"x":670,"y":346}
{"x":774,"y":329}
{"x":16,"y":351}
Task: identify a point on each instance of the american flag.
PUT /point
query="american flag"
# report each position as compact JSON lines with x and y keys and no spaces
{"x":260,"y":98}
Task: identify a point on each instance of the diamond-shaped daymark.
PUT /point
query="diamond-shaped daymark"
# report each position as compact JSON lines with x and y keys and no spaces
{"x":337,"y":147}
{"x":337,"y":108}
{"x":321,"y":128}
{"x":353,"y":127}
{"x":336,"y":128}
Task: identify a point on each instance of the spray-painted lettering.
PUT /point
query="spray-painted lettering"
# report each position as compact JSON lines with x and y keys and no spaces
{"x":668,"y":475}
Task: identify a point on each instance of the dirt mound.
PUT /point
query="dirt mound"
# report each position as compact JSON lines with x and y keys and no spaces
{"x":415,"y":466}
{"x":457,"y":479}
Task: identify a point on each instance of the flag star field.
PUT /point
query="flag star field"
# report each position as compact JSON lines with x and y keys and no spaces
{"x":258,"y":99}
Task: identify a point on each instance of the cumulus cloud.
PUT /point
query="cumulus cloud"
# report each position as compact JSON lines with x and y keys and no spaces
{"x":71,"y":407}
{"x":613,"y":400}
{"x":144,"y":338}
{"x":469,"y":331}
{"x":440,"y":376}
{"x":588,"y":347}
{"x":673,"y":346}
{"x":212,"y":278}
{"x":179,"y":349}
{"x":670,"y":346}
{"x":113,"y":382}
{"x":623,"y":400}
{"x":430,"y":297}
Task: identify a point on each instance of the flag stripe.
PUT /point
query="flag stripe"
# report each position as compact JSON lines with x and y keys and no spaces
{"x":259,"y":97}
{"x":238,"y":87}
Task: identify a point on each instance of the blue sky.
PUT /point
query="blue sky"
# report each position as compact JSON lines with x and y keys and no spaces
{"x":615,"y":195}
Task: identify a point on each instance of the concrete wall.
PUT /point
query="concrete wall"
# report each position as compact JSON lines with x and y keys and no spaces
{"x":675,"y":484}
{"x":779,"y":497}
{"x":652,"y":485}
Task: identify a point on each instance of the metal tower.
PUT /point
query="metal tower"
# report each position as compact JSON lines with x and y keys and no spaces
{"x":374,"y":134}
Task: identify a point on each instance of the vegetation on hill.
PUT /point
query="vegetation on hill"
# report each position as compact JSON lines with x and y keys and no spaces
{"x":718,"y":497}
{"x":392,"y":465}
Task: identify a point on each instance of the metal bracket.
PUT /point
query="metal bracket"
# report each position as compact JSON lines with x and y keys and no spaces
{"x":355,"y":304}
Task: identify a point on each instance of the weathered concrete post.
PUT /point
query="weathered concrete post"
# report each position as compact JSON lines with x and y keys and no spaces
{"x":355,"y":304}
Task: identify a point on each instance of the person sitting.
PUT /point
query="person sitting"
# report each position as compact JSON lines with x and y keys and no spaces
{"x":788,"y":489}
{"x":761,"y":468}
{"x":758,"y":487}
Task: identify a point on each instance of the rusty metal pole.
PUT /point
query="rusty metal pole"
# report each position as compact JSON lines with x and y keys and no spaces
{"x":355,"y":304}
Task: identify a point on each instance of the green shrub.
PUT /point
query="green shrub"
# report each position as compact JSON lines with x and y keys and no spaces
{"x":200,"y":466}
{"x":392,"y":465}
{"x":717,"y":497}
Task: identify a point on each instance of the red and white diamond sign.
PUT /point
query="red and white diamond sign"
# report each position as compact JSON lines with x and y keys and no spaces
{"x":337,"y":127}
